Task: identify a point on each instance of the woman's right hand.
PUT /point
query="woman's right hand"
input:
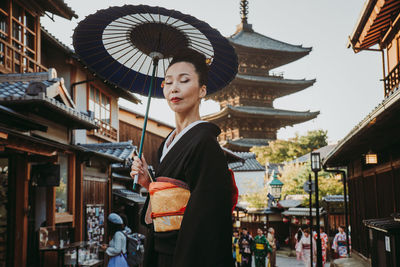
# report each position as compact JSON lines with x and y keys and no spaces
{"x":140,"y":167}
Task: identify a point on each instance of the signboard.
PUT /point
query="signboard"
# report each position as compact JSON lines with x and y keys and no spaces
{"x":306,"y":187}
{"x":387,"y":243}
{"x":95,"y":222}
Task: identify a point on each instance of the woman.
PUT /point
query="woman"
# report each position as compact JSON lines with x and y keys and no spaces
{"x":304,"y":248}
{"x":340,"y":243}
{"x":117,"y":246}
{"x":191,"y":154}
{"x":297,"y":238}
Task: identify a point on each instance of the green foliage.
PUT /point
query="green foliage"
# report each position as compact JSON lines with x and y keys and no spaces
{"x":257,"y":199}
{"x":287,"y":150}
{"x":295,"y":175}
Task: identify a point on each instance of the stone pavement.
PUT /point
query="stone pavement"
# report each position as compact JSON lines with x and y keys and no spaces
{"x":282,"y":261}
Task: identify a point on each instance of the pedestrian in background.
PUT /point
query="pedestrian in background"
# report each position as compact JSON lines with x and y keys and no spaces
{"x":117,"y":246}
{"x":272,"y":243}
{"x":340,"y":243}
{"x":261,"y":248}
{"x":245,"y":245}
{"x":237,"y":257}
{"x":324,"y":243}
{"x":304,"y":248}
{"x":297,"y":238}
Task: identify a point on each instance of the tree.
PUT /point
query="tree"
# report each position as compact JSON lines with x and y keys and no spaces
{"x":295,"y":175}
{"x":287,"y":150}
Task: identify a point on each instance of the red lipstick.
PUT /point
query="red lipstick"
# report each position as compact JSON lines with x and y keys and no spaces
{"x":175,"y":99}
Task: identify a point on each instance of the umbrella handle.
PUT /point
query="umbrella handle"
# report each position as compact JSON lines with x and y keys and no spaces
{"x":155,"y":63}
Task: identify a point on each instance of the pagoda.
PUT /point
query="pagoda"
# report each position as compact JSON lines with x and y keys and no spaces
{"x":247,"y":117}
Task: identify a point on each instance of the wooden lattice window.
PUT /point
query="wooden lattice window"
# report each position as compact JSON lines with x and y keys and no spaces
{"x":99,"y":104}
{"x":18,"y":38}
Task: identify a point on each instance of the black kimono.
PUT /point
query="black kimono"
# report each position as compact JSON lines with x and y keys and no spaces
{"x":205,"y":236}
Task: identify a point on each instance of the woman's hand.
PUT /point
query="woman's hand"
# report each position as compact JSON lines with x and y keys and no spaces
{"x":140,"y":167}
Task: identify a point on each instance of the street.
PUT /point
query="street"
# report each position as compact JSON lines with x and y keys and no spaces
{"x":282,"y":261}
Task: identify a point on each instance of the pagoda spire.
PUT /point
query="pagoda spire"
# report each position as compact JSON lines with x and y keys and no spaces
{"x":244,"y":25}
{"x":243,"y":10}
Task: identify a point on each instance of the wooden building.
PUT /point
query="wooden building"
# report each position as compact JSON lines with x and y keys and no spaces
{"x":45,"y":116}
{"x":374,"y":187}
{"x":247,"y":116}
{"x":130,"y":128}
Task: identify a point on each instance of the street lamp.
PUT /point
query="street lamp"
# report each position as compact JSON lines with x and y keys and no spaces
{"x":316,"y":167}
{"x":276,"y":186}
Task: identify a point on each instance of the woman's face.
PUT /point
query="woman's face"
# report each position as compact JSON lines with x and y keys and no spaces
{"x":181,"y":89}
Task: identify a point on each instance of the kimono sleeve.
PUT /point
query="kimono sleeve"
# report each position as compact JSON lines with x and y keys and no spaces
{"x":205,"y":237}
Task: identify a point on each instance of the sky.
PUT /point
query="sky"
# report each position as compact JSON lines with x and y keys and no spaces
{"x":348,"y":85}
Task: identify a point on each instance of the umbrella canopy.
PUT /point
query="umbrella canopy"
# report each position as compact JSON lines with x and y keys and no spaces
{"x":119,"y":44}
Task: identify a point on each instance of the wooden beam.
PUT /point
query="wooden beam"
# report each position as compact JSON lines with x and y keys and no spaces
{"x":51,"y":206}
{"x":42,"y":159}
{"x":71,"y":185}
{"x":22,"y":208}
{"x":79,"y":202}
{"x":3,"y":135}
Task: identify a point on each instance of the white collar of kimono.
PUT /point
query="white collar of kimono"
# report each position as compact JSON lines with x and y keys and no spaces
{"x":167,"y":147}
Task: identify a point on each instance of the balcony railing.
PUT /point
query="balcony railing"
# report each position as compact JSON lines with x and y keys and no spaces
{"x":392,"y":80}
{"x":13,"y":60}
{"x":105,"y":132}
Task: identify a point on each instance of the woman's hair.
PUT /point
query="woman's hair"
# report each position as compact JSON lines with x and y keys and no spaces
{"x":197,"y":59}
{"x":113,"y":228}
{"x":299,"y":235}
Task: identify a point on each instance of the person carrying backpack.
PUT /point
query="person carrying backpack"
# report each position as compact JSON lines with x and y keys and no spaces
{"x":117,"y":246}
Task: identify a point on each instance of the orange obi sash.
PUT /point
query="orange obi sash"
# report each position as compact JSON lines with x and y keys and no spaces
{"x":168,"y":199}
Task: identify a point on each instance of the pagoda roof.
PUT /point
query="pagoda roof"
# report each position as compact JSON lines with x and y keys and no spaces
{"x":263,"y":112}
{"x":252,"y":39}
{"x":287,"y":86}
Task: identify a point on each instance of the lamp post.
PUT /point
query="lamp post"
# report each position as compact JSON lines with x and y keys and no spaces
{"x":276,"y":186}
{"x":311,"y":220}
{"x":316,"y":167}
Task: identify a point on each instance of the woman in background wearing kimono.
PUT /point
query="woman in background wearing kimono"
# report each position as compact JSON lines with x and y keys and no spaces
{"x":340,"y":243}
{"x":304,"y":248}
{"x":192,"y":154}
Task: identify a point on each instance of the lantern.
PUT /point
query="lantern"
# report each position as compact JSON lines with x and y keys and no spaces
{"x":315,"y":161}
{"x":371,"y":158}
{"x":276,"y":186}
{"x":295,"y":220}
{"x":285,"y":220}
{"x":308,"y":222}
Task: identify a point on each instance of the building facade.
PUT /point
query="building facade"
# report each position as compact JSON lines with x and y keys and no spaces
{"x":374,"y":195}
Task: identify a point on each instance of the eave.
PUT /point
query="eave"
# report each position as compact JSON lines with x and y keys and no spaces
{"x":376,"y":19}
{"x":260,"y":113}
{"x":377,"y":131}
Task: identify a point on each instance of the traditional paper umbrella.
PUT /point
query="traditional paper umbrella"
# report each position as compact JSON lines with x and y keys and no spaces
{"x":122,"y":45}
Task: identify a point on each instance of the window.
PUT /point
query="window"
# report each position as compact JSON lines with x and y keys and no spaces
{"x":99,"y":104}
{"x":62,"y":190}
{"x":18,"y":39}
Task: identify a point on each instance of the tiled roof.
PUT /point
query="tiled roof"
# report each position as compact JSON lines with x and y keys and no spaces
{"x":289,"y":203}
{"x":302,"y":212}
{"x":272,"y":111}
{"x":274,"y":167}
{"x":248,"y":142}
{"x":324,"y":151}
{"x":261,"y":112}
{"x":277,"y":80}
{"x":337,"y":156}
{"x":334,"y":198}
{"x":13,"y":93}
{"x":387,"y":225}
{"x":250,"y":164}
{"x":57,"y":7}
{"x":255,"y":40}
{"x":122,"y":150}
